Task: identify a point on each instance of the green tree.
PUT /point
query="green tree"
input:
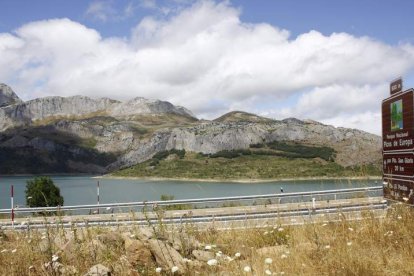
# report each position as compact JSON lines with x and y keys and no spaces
{"x":42,"y":192}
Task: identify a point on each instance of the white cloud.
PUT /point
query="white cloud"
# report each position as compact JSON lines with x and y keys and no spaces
{"x":206,"y":59}
{"x":100,"y":10}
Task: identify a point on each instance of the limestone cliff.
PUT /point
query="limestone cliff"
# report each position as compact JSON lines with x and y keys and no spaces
{"x":80,"y":134}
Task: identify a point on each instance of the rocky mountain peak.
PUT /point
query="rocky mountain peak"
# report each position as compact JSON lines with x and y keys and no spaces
{"x":7,"y":96}
{"x":241,"y":116}
{"x":139,"y":105}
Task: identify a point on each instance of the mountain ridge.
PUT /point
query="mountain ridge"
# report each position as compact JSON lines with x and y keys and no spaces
{"x":123,"y":134}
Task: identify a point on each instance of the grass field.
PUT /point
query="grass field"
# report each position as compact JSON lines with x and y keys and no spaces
{"x":253,"y":166}
{"x":371,"y":246}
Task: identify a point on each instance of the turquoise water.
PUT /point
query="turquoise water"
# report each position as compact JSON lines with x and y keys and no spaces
{"x":82,"y":189}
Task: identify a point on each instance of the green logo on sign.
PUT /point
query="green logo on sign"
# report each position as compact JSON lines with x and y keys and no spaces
{"x":396,"y":115}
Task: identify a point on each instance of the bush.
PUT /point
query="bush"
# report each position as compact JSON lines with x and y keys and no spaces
{"x":42,"y":192}
{"x":302,"y":151}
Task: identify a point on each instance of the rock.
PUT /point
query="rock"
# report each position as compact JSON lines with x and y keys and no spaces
{"x":111,"y":239}
{"x":98,"y":270}
{"x":7,"y":96}
{"x":145,"y":234}
{"x":203,"y":256}
{"x":183,"y":242}
{"x":137,"y":254}
{"x":165,"y":255}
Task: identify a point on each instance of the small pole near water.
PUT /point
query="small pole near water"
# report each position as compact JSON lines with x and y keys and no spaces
{"x":12,"y":204}
{"x":97,"y":193}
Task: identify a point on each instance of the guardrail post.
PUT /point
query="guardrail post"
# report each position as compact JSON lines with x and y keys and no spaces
{"x":12,"y":204}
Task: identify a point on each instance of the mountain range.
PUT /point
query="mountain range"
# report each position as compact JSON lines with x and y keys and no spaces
{"x":79,"y":134}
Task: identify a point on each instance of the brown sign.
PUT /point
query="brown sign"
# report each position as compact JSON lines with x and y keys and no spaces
{"x":398,"y":122}
{"x":398,"y":165}
{"x":396,"y":86}
{"x":398,"y":144}
{"x":399,"y":189}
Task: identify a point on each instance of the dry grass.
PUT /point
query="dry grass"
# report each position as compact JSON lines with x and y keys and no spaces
{"x":371,"y":246}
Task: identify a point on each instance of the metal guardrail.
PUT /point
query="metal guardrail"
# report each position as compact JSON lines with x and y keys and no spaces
{"x":189,"y":201}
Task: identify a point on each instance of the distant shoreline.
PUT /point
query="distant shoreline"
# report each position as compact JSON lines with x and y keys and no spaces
{"x":108,"y":176}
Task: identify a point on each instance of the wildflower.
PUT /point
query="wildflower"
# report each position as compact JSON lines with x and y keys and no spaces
{"x":265,"y":233}
{"x":324,"y":224}
{"x":282,"y":273}
{"x":43,"y":237}
{"x":399,"y":217}
{"x":212,"y":262}
{"x":247,"y":268}
{"x":327,"y":246}
{"x":283,"y":256}
{"x":350,"y":229}
{"x":405,"y":198}
{"x":3,"y":251}
{"x":268,"y":272}
{"x":237,"y":255}
{"x":174,"y":269}
{"x":268,"y":260}
{"x":55,"y":258}
{"x":47,"y":265}
{"x":218,"y":254}
{"x":132,"y":236}
{"x":280,"y":229}
{"x":158,"y":270}
{"x":31,"y":267}
{"x":349,"y":243}
{"x":14,"y":250}
{"x":229,"y":259}
{"x":185,"y":260}
{"x":208,"y":247}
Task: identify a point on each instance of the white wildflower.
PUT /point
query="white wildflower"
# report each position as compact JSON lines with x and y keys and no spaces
{"x":185,"y":260}
{"x":268,"y":272}
{"x":405,"y":198}
{"x":237,"y":255}
{"x":349,"y":243}
{"x":212,"y":262}
{"x":327,"y":246}
{"x":265,"y":233}
{"x":3,"y":251}
{"x":14,"y":250}
{"x":268,"y":261}
{"x":280,"y":229}
{"x":399,"y":217}
{"x":218,"y":254}
{"x":174,"y":269}
{"x":324,"y":224}
{"x":158,"y":270}
{"x":208,"y":247}
{"x":247,"y":268}
{"x":283,"y":256}
{"x":43,"y":237}
{"x":31,"y":267}
{"x":132,"y":236}
{"x":229,"y":259}
{"x":55,"y":258}
{"x":282,"y":273}
{"x":351,"y":229}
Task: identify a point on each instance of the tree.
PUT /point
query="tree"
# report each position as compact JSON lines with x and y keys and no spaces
{"x":42,"y":192}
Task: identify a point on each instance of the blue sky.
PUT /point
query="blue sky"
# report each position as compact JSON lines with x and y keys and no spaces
{"x":387,"y":21}
{"x":329,"y":61}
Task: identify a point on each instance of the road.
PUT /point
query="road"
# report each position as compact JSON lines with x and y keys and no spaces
{"x":222,"y":217}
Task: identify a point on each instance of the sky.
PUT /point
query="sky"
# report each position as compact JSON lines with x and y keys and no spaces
{"x":325,"y":60}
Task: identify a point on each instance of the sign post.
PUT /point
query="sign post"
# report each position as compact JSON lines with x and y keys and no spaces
{"x":398,"y":143}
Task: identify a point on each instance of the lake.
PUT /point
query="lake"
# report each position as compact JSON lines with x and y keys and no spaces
{"x":82,"y":189}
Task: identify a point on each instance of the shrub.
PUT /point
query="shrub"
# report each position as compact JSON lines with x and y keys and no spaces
{"x":42,"y":192}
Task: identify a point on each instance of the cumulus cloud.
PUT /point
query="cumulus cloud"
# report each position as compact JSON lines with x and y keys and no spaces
{"x":205,"y":58}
